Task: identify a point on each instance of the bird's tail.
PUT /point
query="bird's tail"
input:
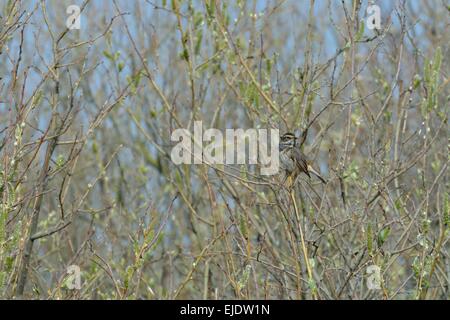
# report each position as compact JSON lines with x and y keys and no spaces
{"x":313,"y":171}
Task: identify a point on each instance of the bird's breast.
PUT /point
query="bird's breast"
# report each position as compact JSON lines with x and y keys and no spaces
{"x":286,"y":161}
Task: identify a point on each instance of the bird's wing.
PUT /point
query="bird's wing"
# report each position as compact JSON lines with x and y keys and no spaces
{"x":301,"y":161}
{"x":317,"y":174}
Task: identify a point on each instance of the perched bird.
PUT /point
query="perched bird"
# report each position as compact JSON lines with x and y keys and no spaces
{"x":293,"y":161}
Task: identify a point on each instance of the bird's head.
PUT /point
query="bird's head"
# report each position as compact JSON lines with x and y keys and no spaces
{"x":287,"y":140}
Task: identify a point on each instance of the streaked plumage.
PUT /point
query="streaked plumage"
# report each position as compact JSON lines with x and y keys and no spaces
{"x":293,"y":161}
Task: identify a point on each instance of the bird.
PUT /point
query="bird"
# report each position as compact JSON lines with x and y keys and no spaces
{"x":293,"y":161}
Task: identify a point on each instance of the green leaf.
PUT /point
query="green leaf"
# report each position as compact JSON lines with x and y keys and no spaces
{"x":185,"y":55}
{"x":243,"y":226}
{"x":437,"y":60}
{"x":60,"y":161}
{"x":398,"y":204}
{"x":269,"y":66}
{"x":198,"y":19}
{"x":120,"y":66}
{"x":198,"y":44}
{"x":94,"y":147}
{"x":383,"y":235}
{"x":417,"y":81}
{"x":108,"y":55}
{"x":210,"y":7}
